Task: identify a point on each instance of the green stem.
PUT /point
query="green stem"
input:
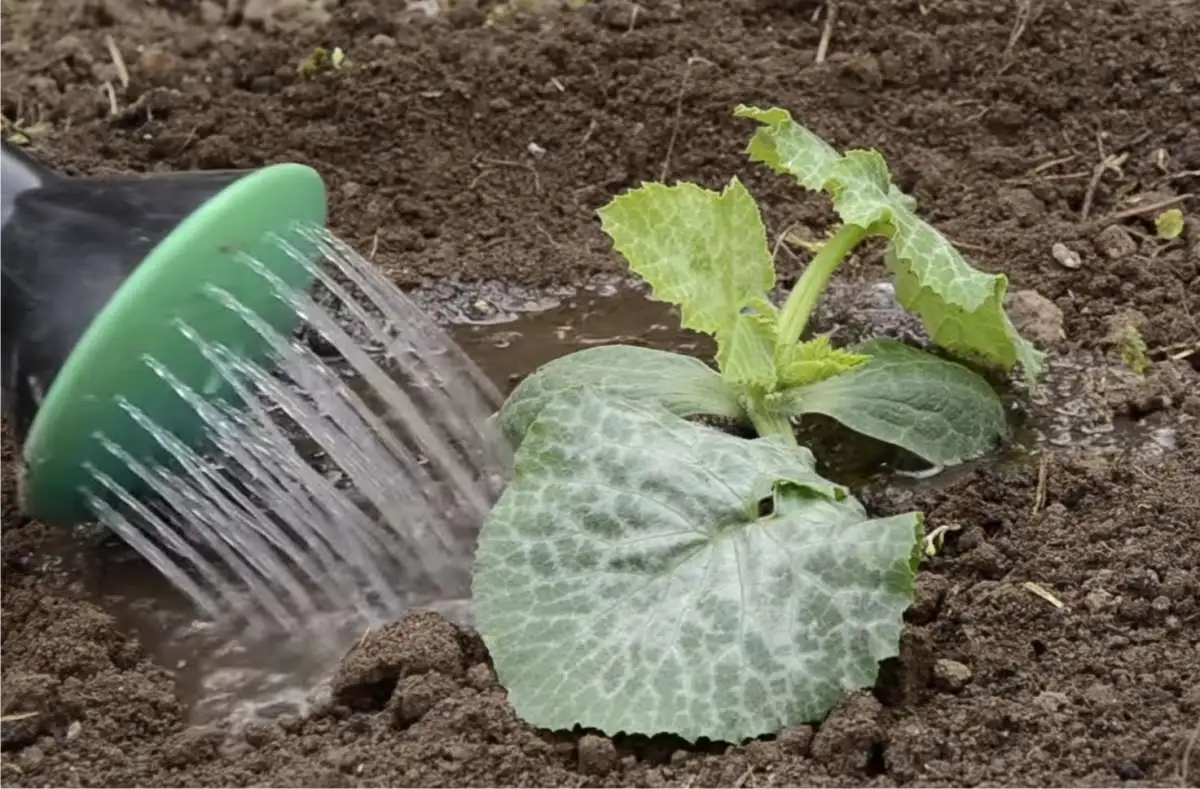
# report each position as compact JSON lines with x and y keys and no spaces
{"x":804,"y":297}
{"x":770,"y":421}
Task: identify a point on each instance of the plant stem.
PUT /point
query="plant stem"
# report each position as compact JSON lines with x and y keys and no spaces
{"x":804,"y":297}
{"x":770,"y":421}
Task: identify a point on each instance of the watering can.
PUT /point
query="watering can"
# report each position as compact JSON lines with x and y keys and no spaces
{"x":99,"y":275}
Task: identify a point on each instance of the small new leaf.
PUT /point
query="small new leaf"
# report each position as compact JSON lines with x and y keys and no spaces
{"x":681,"y":384}
{"x":936,"y":409}
{"x":815,"y":360}
{"x":1134,"y":352}
{"x":627,"y":579}
{"x":961,"y":307}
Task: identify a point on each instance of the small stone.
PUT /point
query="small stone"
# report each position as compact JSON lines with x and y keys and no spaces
{"x":1051,"y":701}
{"x":1066,"y":257}
{"x":1036,"y":317}
{"x":535,"y":150}
{"x":950,"y":675}
{"x":383,"y":41}
{"x":1161,"y":604}
{"x":1114,"y":242}
{"x":74,"y":729}
{"x":597,"y":755}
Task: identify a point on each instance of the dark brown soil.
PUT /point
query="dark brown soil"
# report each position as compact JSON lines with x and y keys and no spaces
{"x":996,"y":124}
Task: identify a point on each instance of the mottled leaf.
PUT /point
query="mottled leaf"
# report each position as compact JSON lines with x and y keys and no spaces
{"x":645,"y":574}
{"x":936,"y":409}
{"x":788,"y":148}
{"x":685,"y":386}
{"x":702,"y":250}
{"x":962,"y":308}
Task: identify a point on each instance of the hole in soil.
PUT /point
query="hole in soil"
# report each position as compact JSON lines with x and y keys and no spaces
{"x":877,"y":761}
{"x":224,"y":676}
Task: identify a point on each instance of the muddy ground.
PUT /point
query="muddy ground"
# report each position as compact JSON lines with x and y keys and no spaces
{"x":454,"y":148}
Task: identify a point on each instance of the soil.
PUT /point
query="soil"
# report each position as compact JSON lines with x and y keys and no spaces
{"x":454,"y":148}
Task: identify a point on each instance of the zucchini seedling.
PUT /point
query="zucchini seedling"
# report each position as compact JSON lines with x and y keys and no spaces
{"x":644,"y":572}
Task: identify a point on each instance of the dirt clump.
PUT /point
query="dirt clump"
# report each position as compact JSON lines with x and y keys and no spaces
{"x":457,"y":149}
{"x":421,"y":643}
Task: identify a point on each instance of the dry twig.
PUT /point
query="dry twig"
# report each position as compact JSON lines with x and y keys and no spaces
{"x":831,"y":12}
{"x":1107,"y":162}
{"x":1149,"y":208}
{"x":687,"y":75}
{"x":118,"y":61}
{"x":1024,"y":14}
{"x":1039,"y":495}
{"x":537,"y":181}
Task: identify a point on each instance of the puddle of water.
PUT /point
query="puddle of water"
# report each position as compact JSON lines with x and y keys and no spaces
{"x":507,"y":352}
{"x":223,"y":676}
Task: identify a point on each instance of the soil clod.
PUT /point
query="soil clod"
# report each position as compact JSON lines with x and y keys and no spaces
{"x":420,"y":642}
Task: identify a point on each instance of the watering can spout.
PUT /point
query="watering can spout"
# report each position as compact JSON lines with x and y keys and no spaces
{"x":98,"y":275}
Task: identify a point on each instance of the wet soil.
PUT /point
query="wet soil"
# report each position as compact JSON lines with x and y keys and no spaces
{"x":458,"y":151}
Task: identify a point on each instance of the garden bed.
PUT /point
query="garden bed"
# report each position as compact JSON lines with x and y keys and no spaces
{"x":458,"y":151}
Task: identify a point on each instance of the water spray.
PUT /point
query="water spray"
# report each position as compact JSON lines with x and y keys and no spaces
{"x":195,"y":362}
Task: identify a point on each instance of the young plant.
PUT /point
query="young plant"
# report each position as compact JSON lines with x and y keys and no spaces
{"x":646,"y":573}
{"x":707,"y":252}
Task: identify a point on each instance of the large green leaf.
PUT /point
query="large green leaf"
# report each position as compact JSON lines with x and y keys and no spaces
{"x":684,"y":385}
{"x":706,"y":252}
{"x":962,"y":308}
{"x":631,"y":579}
{"x":936,"y":409}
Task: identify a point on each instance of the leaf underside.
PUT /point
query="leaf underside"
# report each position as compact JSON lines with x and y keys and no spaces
{"x":937,"y":409}
{"x":962,"y":308}
{"x":684,"y":385}
{"x":626,"y":580}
